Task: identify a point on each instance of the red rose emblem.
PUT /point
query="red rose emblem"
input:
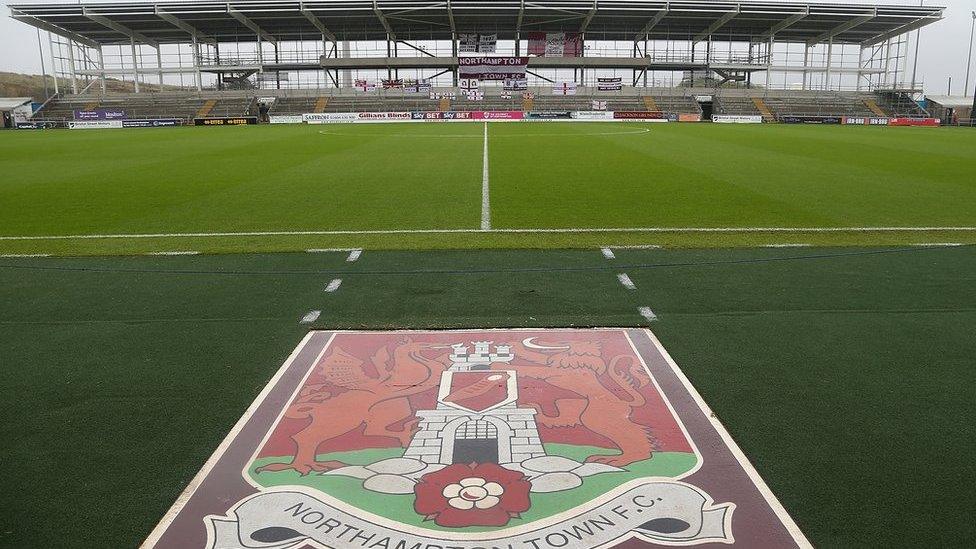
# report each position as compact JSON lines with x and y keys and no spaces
{"x":472,"y":495}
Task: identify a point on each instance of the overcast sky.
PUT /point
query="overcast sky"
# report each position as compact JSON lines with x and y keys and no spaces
{"x":943,"y":52}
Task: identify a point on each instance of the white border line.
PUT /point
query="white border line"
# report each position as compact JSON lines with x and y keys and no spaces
{"x":21,"y":256}
{"x":607,"y":253}
{"x":311,"y":317}
{"x":333,"y":285}
{"x":625,"y":280}
{"x":354,"y":254}
{"x":747,"y":466}
{"x":188,"y":252}
{"x":191,"y":488}
{"x":647,"y":313}
{"x":485,"y":192}
{"x":513,"y":231}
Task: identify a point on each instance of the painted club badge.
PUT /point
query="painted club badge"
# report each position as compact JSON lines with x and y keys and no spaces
{"x":465,"y":439}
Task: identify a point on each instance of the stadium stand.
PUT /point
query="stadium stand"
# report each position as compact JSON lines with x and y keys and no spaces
{"x":771,"y":104}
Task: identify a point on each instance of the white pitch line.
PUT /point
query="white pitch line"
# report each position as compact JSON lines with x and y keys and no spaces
{"x":939,"y":244}
{"x":647,"y":313}
{"x":188,"y":252}
{"x":24,"y":255}
{"x":786,"y":245}
{"x":608,"y":253}
{"x":638,"y":247}
{"x":327,"y":250}
{"x":333,"y":285}
{"x":485,"y":192}
{"x":311,"y":317}
{"x":354,"y":254}
{"x":575,"y":230}
{"x":626,"y":281}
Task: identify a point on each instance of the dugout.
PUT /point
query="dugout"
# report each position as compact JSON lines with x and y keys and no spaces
{"x":950,"y":108}
{"x":14,"y":110}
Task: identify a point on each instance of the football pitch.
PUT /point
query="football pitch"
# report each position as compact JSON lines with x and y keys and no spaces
{"x":471,"y":186}
{"x":814,"y":283}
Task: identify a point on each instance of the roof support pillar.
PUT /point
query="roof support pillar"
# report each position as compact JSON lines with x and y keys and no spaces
{"x":196,"y":64}
{"x":135,"y":64}
{"x":101,"y":67}
{"x":54,"y":67}
{"x":71,"y":66}
{"x":830,"y":56}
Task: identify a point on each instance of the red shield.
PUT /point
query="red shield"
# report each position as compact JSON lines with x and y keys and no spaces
{"x":477,"y":391}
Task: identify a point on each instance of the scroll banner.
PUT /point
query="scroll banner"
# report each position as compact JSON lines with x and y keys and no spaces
{"x":492,"y":68}
{"x":609,"y":84}
{"x":555,"y":44}
{"x":477,"y":43}
{"x":663,"y":511}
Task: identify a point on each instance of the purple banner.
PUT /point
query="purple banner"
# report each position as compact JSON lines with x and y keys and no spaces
{"x":100,"y":114}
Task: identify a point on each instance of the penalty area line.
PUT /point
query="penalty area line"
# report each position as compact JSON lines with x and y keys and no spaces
{"x":567,"y":230}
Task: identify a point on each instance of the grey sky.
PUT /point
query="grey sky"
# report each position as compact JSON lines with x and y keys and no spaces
{"x":943,"y":52}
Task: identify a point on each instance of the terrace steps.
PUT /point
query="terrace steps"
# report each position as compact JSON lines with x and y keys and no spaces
{"x":650,"y":103}
{"x":320,"y":104}
{"x":444,"y":105}
{"x":92,"y":106}
{"x":527,"y":103}
{"x":875,"y":108}
{"x":206,"y":108}
{"x":763,"y":109}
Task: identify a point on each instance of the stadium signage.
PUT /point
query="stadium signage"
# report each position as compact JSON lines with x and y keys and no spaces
{"x":226,"y":121}
{"x":643,"y":115}
{"x":286,"y":119}
{"x":151,"y":123}
{"x":329,"y":117}
{"x":492,"y":68}
{"x":914,"y":122}
{"x":864,"y":121}
{"x":497,"y":115}
{"x":591,"y":115}
{"x":791,"y":119}
{"x":736,"y":119}
{"x":548,"y":115}
{"x":427,"y":440}
{"x":100,"y":114}
{"x":94,"y":124}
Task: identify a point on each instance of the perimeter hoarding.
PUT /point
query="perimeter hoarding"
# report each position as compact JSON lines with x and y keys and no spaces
{"x":522,"y":439}
{"x":226,"y":121}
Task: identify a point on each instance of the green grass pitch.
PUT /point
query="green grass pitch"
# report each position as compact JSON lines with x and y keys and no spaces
{"x":379,"y":178}
{"x":845,"y":374}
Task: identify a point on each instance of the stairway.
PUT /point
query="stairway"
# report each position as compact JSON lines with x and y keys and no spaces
{"x":767,"y":114}
{"x":527,"y":104}
{"x":444,"y":105}
{"x":650,"y":103}
{"x":206,"y":108}
{"x":91,"y":106}
{"x":875,"y":108}
{"x":320,"y":104}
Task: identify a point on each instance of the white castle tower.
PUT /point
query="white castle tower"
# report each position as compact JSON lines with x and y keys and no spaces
{"x":498,"y":431}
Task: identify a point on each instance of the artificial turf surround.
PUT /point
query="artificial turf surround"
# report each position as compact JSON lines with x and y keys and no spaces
{"x":845,"y":375}
{"x":423,"y":177}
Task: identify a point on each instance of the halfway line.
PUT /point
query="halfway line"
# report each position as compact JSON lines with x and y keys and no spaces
{"x":485,"y":199}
